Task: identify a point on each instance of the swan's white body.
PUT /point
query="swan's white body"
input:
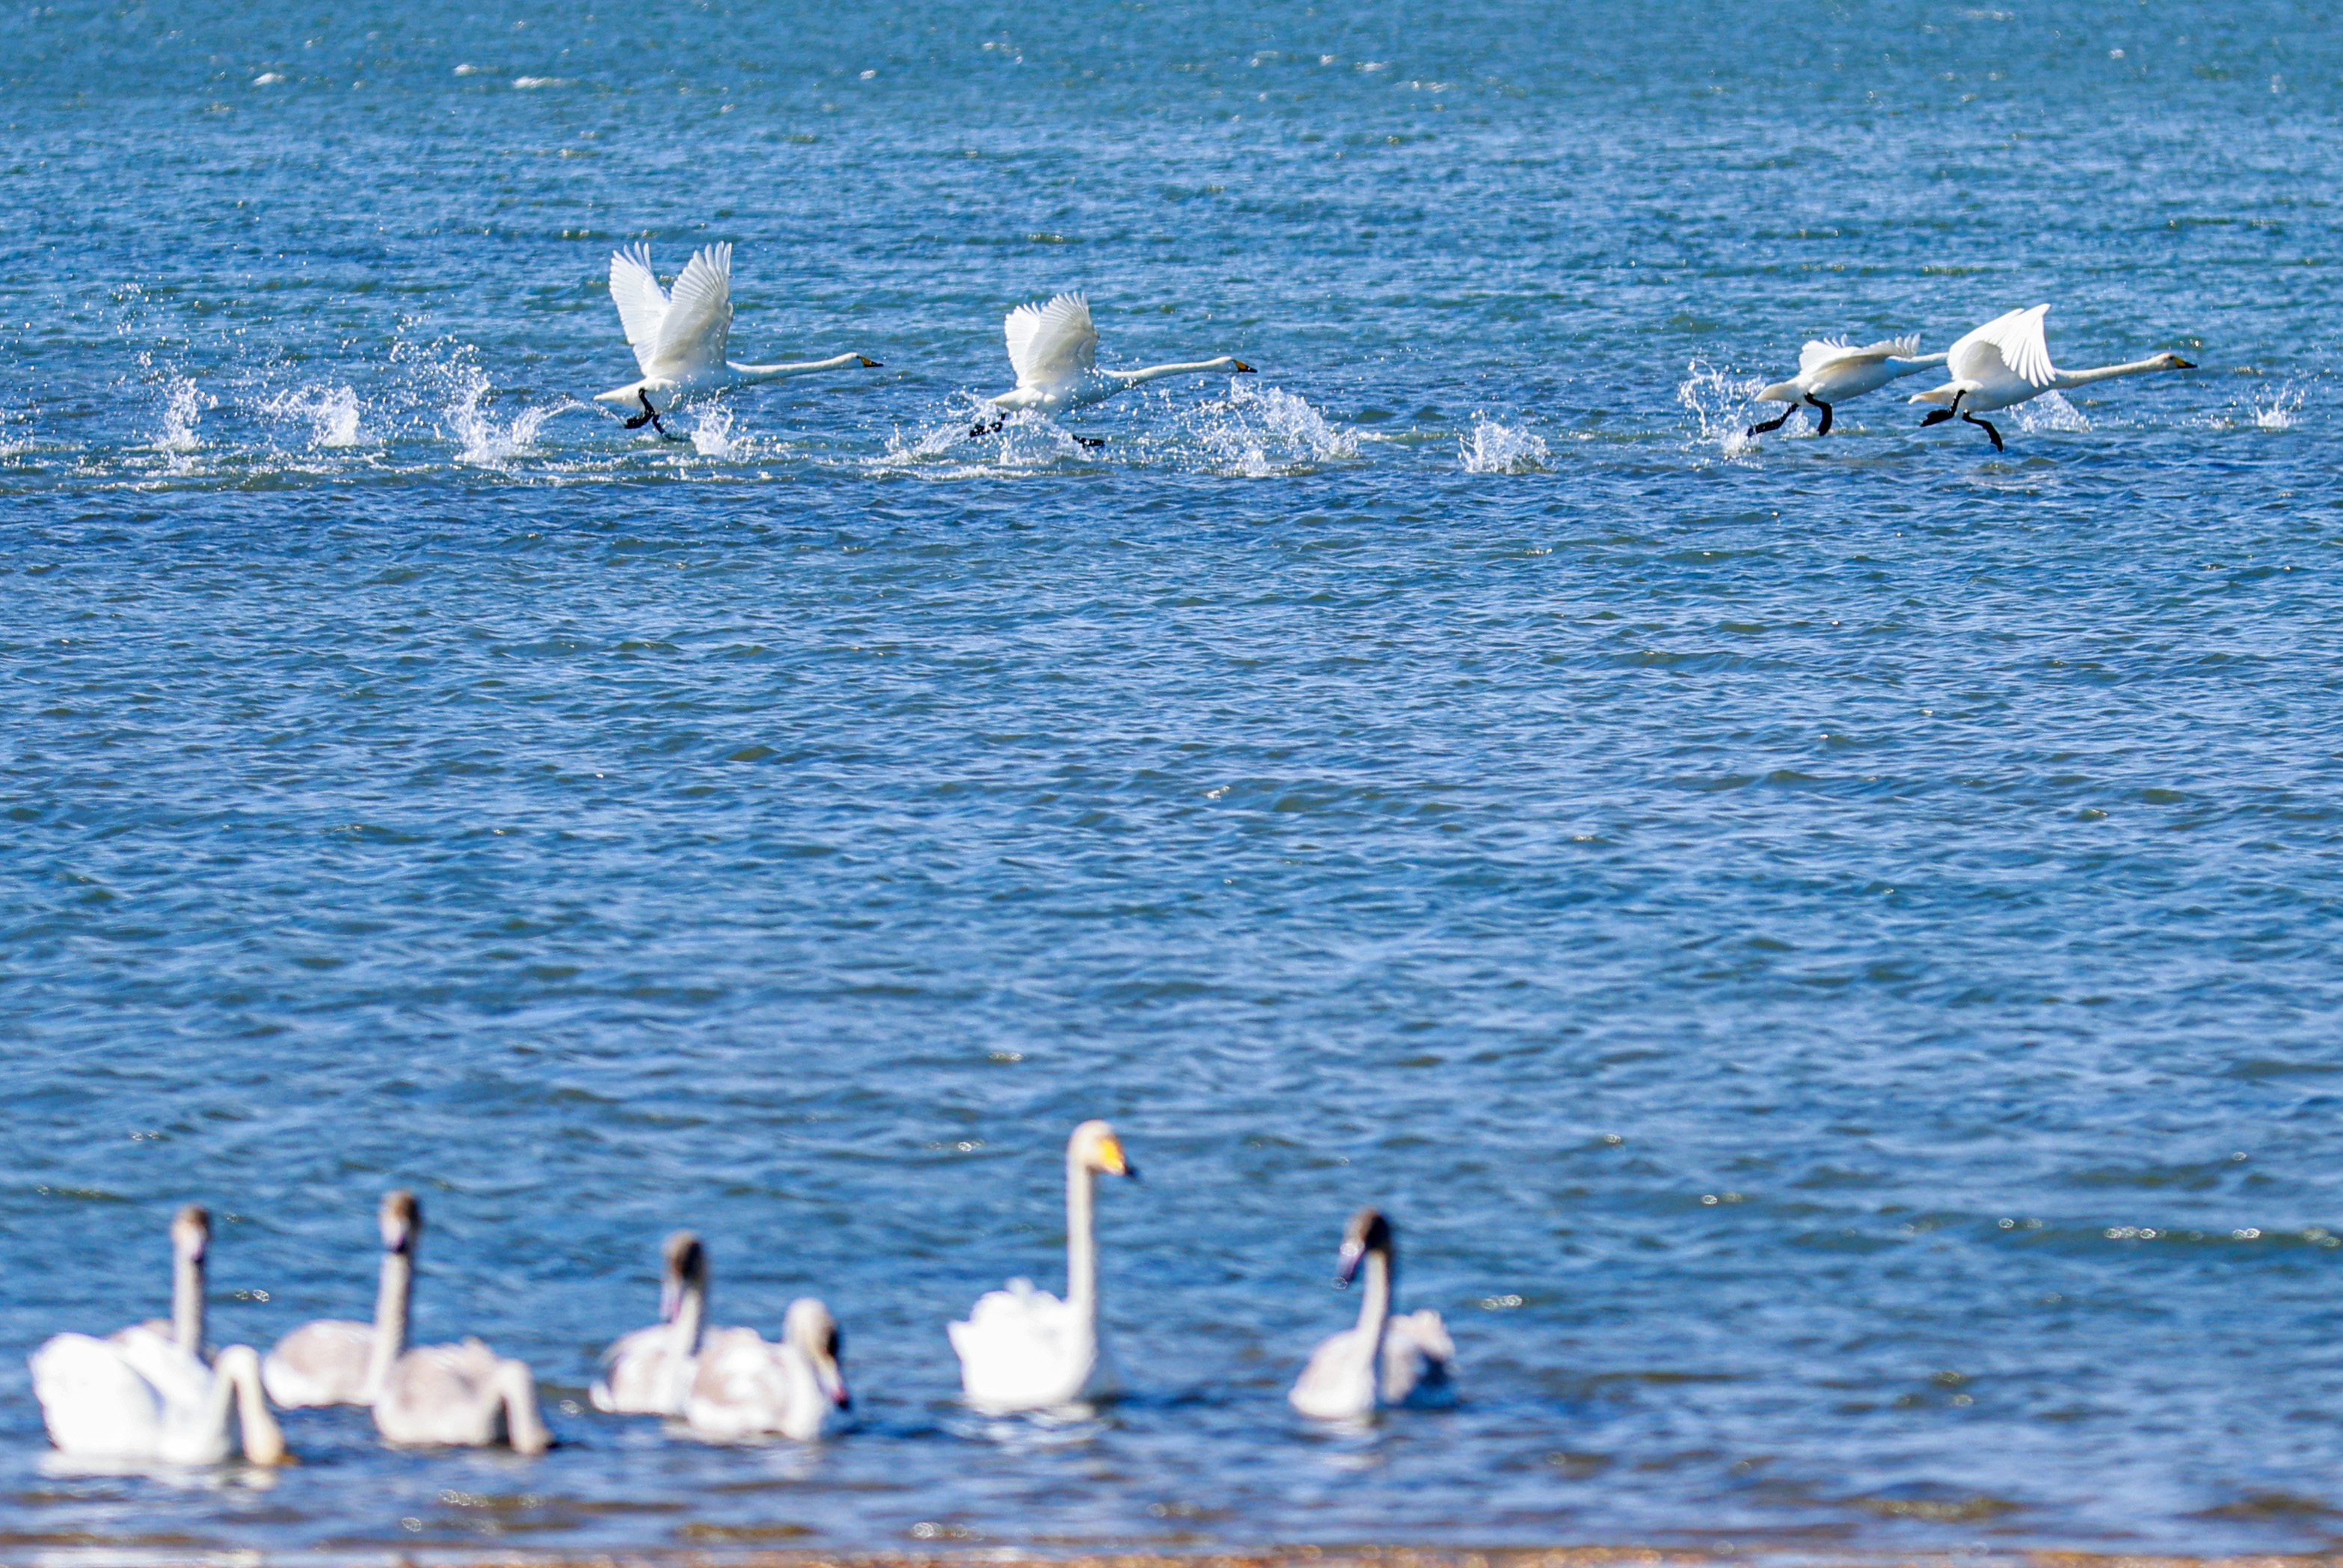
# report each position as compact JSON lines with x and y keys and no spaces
{"x":679,"y":337}
{"x":744,"y":1385}
{"x":649,"y":1371}
{"x":1831,"y":371}
{"x":1023,"y":1348}
{"x":144,"y":1395}
{"x":2007,"y":362}
{"x":1386,"y":1359}
{"x":1053,"y":348}
{"x":332,"y":1360}
{"x":460,"y":1394}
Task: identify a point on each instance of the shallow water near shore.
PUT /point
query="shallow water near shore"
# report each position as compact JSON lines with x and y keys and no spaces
{"x":1827,"y":947}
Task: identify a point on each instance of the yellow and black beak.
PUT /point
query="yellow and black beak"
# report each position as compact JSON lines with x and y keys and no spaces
{"x":2180,"y":364}
{"x":869,"y":363}
{"x":1112,"y":1159}
{"x":1242,"y":368}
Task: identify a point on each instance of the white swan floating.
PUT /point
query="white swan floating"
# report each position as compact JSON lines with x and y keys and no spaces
{"x":144,"y":1395}
{"x":1387,"y":1359}
{"x":680,"y":338}
{"x":745,"y":1386}
{"x":1053,"y":348}
{"x":463,"y":1396}
{"x":1023,"y":1348}
{"x":1832,"y":370}
{"x":649,"y":1371}
{"x":332,"y":1360}
{"x":2007,"y":362}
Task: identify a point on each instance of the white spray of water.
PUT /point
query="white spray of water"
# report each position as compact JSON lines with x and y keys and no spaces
{"x":2277,"y":410}
{"x":1259,"y":431}
{"x":2050,"y":411}
{"x":711,"y":431}
{"x":330,"y":412}
{"x":1720,"y":402}
{"x":184,"y":404}
{"x":1488,"y":447}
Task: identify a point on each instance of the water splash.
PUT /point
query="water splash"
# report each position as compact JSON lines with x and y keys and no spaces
{"x":444,"y":375}
{"x":1720,"y":402}
{"x":1260,"y":431}
{"x":711,"y":432}
{"x":331,"y":413}
{"x":2277,"y":410}
{"x":1488,"y":447}
{"x":2051,"y":411}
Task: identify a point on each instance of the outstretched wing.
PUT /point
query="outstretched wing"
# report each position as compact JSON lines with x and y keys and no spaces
{"x":2012,"y":342}
{"x":641,"y":302}
{"x":1051,"y":343}
{"x":1831,"y":351}
{"x":698,"y":315}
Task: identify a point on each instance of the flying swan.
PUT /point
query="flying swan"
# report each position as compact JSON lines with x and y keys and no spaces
{"x":678,"y":338}
{"x":1053,"y":348}
{"x":144,"y":1395}
{"x":461,"y":1395}
{"x":2007,"y":362}
{"x":649,"y":1371}
{"x":1386,"y":1359}
{"x":1832,"y":370}
{"x":744,"y":1385}
{"x":333,"y":1360}
{"x":1023,"y":1348}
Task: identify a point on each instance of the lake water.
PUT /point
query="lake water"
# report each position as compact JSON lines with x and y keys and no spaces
{"x":1827,"y":947}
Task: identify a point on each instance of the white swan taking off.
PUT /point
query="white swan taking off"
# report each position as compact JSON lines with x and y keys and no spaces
{"x":1023,"y":1348}
{"x":2007,"y":362}
{"x":650,"y":1370}
{"x":746,"y":1386}
{"x":1053,"y":348}
{"x":144,"y":1395}
{"x":1832,"y":370}
{"x":678,"y":338}
{"x":463,"y":1395}
{"x":1386,"y":1360}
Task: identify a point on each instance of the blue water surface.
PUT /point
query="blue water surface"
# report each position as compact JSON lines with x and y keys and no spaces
{"x":1827,"y":947}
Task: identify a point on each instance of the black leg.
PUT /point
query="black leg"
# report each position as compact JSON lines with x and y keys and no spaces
{"x":987,"y":427}
{"x":1826,"y":415}
{"x":1986,"y":426}
{"x":1937,"y":417}
{"x":649,"y":416}
{"x":1092,"y":442}
{"x":1774,"y":423}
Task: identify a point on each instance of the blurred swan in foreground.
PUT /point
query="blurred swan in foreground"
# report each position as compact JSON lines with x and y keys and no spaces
{"x":678,"y":338}
{"x":144,"y":1394}
{"x":2007,"y":362}
{"x":1053,"y":348}
{"x":464,"y":1394}
{"x":649,"y":1371}
{"x":1832,"y":370}
{"x":1023,"y":1348}
{"x":1386,"y":1359}
{"x":333,"y":1360}
{"x":743,"y":1385}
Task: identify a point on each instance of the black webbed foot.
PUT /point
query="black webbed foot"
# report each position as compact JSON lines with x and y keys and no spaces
{"x":1937,"y":417}
{"x":1092,"y":442}
{"x":983,"y":427}
{"x":1771,"y":424}
{"x":1826,"y":408}
{"x":649,"y":416}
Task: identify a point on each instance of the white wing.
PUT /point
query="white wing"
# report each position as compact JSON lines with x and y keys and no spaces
{"x":699,"y":316}
{"x":1830,"y":351}
{"x":1051,"y":343}
{"x":2011,"y":344}
{"x":641,"y":302}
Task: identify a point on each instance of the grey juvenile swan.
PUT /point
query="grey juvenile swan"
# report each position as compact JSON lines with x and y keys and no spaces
{"x":743,"y":1385}
{"x":650,"y":1370}
{"x":1386,"y":1359}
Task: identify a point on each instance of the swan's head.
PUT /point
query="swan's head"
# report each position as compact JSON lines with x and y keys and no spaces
{"x":402,"y":1221}
{"x":811,"y":1329}
{"x":1094,"y":1147}
{"x":2171,"y":362}
{"x":191,"y":1232}
{"x":683,"y":1266}
{"x":1368,"y":1232}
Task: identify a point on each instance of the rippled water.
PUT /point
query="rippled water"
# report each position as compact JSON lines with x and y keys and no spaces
{"x":1826,"y":946}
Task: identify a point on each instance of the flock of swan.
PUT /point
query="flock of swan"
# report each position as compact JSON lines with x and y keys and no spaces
{"x":149,"y":1393}
{"x":679,"y":335}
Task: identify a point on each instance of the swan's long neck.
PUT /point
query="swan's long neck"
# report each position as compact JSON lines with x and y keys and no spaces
{"x":187,"y":1302}
{"x":1374,"y":1307}
{"x":239,"y":1371}
{"x":683,"y":1338}
{"x":1082,"y":1241}
{"x":1157,"y":372}
{"x":776,"y":372}
{"x":2105,"y":373}
{"x":390,"y":1304}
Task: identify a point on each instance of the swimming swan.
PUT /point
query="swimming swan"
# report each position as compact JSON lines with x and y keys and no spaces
{"x":332,"y":1360}
{"x":1023,"y":1348}
{"x":461,"y":1394}
{"x":146,"y":1395}
{"x":1832,"y":370}
{"x":2007,"y":362}
{"x":679,"y":339}
{"x":746,"y":1386}
{"x":1412,"y":1351}
{"x":649,"y":1371}
{"x":1053,"y":348}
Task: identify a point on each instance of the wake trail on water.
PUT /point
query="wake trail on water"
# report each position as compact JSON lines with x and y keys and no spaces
{"x":1252,"y":432}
